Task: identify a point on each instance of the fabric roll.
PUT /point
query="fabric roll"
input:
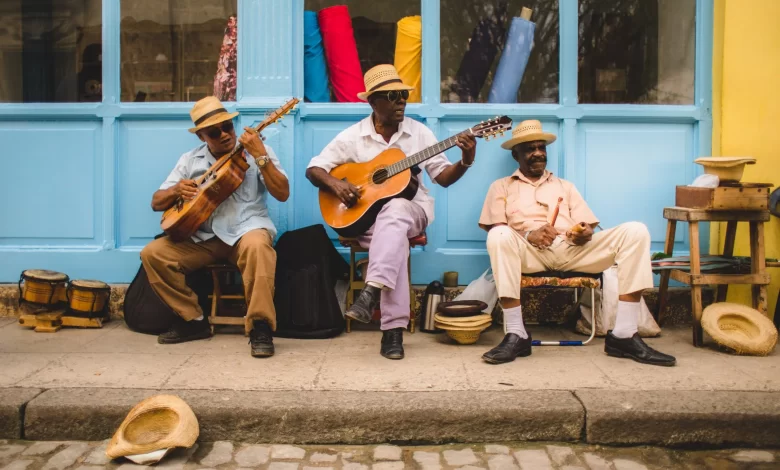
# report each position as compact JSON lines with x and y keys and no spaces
{"x":315,"y":71}
{"x":408,"y":54}
{"x":341,"y":54}
{"x":486,"y":40}
{"x":225,"y":79}
{"x":514,"y":59}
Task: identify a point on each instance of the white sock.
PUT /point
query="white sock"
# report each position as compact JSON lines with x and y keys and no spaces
{"x":627,"y":319}
{"x":200,"y":318}
{"x":513,"y":320}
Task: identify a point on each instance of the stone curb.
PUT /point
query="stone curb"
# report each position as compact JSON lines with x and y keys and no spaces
{"x":322,"y":417}
{"x":682,"y":418}
{"x":666,"y":418}
{"x":12,"y":408}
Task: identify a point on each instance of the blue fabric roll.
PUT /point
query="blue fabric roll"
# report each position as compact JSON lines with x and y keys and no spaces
{"x":315,"y":71}
{"x":511,"y":66}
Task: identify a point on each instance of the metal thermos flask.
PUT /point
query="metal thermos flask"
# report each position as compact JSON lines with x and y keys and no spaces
{"x":434,"y":294}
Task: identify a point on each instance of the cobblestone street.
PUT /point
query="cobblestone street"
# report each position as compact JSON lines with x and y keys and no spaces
{"x":45,"y":455}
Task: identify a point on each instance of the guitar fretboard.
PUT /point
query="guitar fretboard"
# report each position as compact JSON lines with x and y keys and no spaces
{"x":422,"y":155}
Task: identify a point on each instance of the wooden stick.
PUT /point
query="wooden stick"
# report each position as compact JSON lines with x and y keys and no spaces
{"x":555,"y":213}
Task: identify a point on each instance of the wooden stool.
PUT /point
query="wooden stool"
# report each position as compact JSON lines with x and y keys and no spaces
{"x":217,"y":296}
{"x":355,"y":283}
{"x":758,"y":276}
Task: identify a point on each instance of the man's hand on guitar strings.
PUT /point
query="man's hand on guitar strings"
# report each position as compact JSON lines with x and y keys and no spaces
{"x":252,"y":142}
{"x":345,"y":191}
{"x":468,"y":145}
{"x":186,"y":189}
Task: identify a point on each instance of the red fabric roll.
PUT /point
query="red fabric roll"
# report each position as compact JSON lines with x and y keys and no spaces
{"x":346,"y":77}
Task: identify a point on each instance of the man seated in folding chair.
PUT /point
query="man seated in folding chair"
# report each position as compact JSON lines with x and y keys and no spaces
{"x":517,"y":213}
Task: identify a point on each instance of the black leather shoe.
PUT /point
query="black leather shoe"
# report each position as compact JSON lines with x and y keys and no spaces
{"x":511,"y":346}
{"x":393,"y":343}
{"x":261,"y":340}
{"x":363,"y":308}
{"x":182,"y":331}
{"x":636,"y":349}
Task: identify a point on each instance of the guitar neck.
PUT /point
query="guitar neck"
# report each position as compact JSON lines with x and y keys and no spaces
{"x":423,"y":155}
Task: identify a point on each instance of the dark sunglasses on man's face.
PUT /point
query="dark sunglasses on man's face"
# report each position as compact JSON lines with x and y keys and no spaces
{"x":213,"y":132}
{"x":394,"y":95}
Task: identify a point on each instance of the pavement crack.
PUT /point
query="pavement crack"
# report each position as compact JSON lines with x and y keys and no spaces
{"x":174,"y":370}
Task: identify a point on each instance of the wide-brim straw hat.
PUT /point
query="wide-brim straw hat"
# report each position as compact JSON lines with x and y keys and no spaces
{"x":155,"y":424}
{"x":528,"y":131}
{"x":207,"y":112}
{"x":382,"y":77}
{"x":740,"y":328}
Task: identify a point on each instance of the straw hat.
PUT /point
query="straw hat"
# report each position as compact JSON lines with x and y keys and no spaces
{"x":207,"y":112}
{"x":741,"y":328}
{"x":383,"y":77}
{"x":725,"y":168}
{"x":528,"y":131}
{"x":154,"y":426}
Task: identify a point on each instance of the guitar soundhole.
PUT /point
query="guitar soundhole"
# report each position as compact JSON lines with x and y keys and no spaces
{"x":379,"y":176}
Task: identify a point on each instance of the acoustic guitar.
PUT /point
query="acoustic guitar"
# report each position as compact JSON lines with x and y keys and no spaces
{"x":387,"y":176}
{"x":182,"y":219}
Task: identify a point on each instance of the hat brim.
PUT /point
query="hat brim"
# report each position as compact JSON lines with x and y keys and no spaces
{"x":548,"y":138}
{"x":215,"y":119}
{"x":389,"y":87}
{"x":740,"y":328}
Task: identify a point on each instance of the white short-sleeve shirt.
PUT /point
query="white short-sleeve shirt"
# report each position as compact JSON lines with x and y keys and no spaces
{"x":360,"y":143}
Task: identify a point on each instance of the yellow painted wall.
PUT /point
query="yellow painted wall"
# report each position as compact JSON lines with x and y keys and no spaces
{"x":746,"y":111}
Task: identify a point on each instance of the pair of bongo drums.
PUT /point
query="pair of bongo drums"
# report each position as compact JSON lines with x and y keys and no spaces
{"x":51,"y":289}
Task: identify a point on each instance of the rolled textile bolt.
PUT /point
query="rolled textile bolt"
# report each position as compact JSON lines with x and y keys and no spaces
{"x":525,"y":13}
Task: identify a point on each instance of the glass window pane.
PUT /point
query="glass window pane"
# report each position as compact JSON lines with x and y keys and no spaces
{"x":178,"y":50}
{"x":637,"y":51}
{"x":485,"y":40}
{"x":50,"y":51}
{"x":386,"y":32}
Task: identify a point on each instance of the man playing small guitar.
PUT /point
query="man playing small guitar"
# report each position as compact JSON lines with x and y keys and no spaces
{"x":399,"y":219}
{"x":239,"y":230}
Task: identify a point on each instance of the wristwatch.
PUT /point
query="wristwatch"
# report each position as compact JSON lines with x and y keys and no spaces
{"x":261,"y":161}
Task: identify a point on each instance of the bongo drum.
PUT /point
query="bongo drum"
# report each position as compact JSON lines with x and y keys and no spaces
{"x":42,"y":287}
{"x":86,"y":297}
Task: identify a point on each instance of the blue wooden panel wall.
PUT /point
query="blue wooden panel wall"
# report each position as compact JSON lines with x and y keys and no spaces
{"x":79,"y":177}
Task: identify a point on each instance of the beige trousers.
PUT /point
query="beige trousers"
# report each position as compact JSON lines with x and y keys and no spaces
{"x":167,"y":262}
{"x":627,"y":245}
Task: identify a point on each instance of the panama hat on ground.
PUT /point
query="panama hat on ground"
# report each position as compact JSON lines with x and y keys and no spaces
{"x":739,"y":327}
{"x":153,"y":427}
{"x":528,"y":131}
{"x":207,"y":112}
{"x":383,"y":77}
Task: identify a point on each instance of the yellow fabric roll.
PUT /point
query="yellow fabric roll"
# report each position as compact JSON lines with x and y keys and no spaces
{"x":408,"y":54}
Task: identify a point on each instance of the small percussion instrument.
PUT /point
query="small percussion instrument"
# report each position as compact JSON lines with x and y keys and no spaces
{"x":88,"y":298}
{"x":42,"y":287}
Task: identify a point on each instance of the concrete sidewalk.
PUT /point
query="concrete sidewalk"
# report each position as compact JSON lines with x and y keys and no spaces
{"x":79,"y":384}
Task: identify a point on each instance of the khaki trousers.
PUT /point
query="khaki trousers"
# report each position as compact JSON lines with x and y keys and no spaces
{"x":167,"y":262}
{"x":627,"y":245}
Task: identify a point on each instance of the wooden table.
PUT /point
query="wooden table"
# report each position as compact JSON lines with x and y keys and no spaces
{"x":758,"y":276}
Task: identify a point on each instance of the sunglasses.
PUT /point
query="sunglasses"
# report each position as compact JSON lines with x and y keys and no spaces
{"x":393,"y":95}
{"x":213,"y":132}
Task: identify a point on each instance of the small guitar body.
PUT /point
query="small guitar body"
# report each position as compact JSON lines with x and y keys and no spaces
{"x":354,"y":221}
{"x":387,"y":176}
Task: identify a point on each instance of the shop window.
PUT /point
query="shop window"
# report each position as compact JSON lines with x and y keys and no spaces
{"x":178,"y":50}
{"x":345,"y":38}
{"x":490,"y":53}
{"x":50,"y":51}
{"x":637,"y":51}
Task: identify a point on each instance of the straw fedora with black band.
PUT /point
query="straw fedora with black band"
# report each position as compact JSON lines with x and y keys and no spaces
{"x":740,"y":328}
{"x":528,"y":131}
{"x":154,"y":426}
{"x":207,"y":112}
{"x":383,"y":77}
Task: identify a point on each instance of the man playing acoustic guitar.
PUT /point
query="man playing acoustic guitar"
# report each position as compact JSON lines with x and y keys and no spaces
{"x":239,"y":230}
{"x":399,"y":219}
{"x":524,"y":237}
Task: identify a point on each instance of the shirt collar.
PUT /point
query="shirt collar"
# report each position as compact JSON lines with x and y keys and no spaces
{"x":367,"y":128}
{"x":546,"y":176}
{"x":203,"y":151}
